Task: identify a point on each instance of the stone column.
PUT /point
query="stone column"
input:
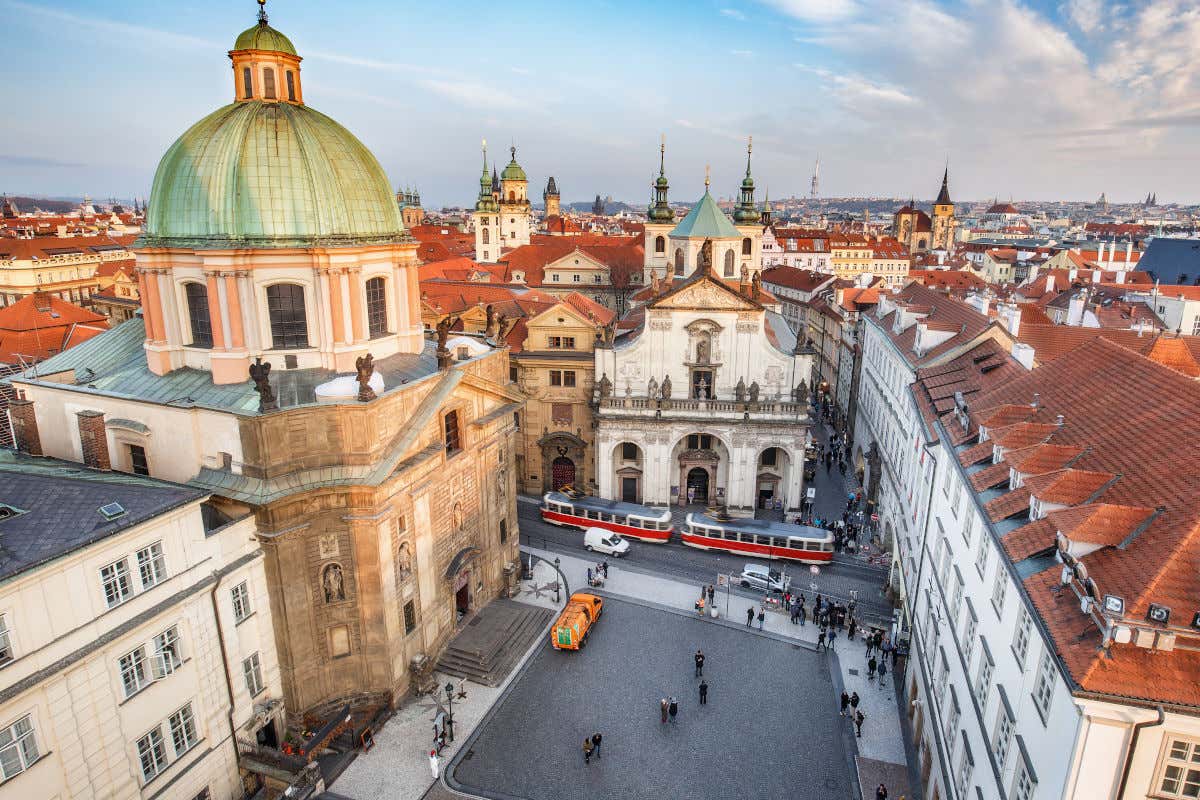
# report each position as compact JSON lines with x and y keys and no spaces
{"x":94,"y":439}
{"x":357,"y":312}
{"x":335,"y":306}
{"x":237,"y":332}
{"x":152,"y":305}
{"x":25,"y":428}
{"x":214,"y":311}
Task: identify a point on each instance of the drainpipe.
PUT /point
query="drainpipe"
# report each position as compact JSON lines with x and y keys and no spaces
{"x":224,"y":659}
{"x":1137,"y":730}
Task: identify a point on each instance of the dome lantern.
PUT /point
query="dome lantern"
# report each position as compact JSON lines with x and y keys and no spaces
{"x":265,"y":64}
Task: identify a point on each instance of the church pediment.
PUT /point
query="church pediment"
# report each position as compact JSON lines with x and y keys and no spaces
{"x":705,"y":293}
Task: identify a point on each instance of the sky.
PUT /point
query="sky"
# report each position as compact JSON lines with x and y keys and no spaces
{"x":1025,"y":100}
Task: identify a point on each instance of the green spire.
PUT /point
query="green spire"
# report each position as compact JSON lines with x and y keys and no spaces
{"x":485,"y":202}
{"x":746,"y":212}
{"x":660,"y":210}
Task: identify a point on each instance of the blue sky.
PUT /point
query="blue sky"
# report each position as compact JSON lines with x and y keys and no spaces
{"x":1029,"y":100}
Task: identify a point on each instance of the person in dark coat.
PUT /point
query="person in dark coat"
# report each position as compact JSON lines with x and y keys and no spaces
{"x":882,"y":672}
{"x":821,"y":639}
{"x":762,"y":615}
{"x":871,"y":665}
{"x":699,"y":659}
{"x":749,"y":616}
{"x":881,"y":792}
{"x":854,"y":701}
{"x":604,"y":567}
{"x":703,"y":693}
{"x":588,"y":747}
{"x":853,"y":627}
{"x":858,"y":721}
{"x":664,"y":710}
{"x":673,"y":709}
{"x":845,"y":704}
{"x":596,"y":739}
{"x":832,"y":638}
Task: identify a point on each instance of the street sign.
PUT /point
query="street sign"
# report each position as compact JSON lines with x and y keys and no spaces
{"x":722,"y":580}
{"x":814,"y":569}
{"x":874,"y":518}
{"x":811,"y":494}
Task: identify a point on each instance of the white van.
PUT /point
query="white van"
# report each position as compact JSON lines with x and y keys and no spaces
{"x":602,"y":541}
{"x":756,"y":576}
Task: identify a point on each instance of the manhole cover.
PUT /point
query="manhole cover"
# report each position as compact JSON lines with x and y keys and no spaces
{"x":853,"y":671}
{"x":467,"y":756}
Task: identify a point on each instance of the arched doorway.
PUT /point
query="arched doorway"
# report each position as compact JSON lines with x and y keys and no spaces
{"x":562,"y":472}
{"x":627,"y":472}
{"x":697,"y":485}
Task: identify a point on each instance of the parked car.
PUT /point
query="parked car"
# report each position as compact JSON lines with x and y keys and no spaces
{"x":603,"y":541}
{"x":755,"y":576}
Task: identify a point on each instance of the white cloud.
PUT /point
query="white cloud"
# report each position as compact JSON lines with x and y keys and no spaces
{"x":741,"y":53}
{"x":369,"y":63}
{"x":474,"y":95}
{"x":815,"y":10}
{"x":1086,"y":15}
{"x":127,"y":32}
{"x":733,"y":13}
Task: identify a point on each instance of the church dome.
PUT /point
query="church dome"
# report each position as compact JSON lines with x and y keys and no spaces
{"x":264,"y":174}
{"x":264,"y":37}
{"x":513,"y":171}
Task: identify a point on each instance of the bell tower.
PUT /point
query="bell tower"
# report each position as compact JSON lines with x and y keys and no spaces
{"x":943,"y":216}
{"x":660,"y":220}
{"x":487,"y":218}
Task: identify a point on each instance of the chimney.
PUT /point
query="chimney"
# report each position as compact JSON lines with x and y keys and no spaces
{"x":1059,"y":420}
{"x":1023,"y":353}
{"x":1037,"y":400}
{"x":1049,"y":283}
{"x":1010,"y":316}
{"x":1128,"y":253}
{"x":1100,"y":254}
{"x":94,"y":439}
{"x":25,"y":428}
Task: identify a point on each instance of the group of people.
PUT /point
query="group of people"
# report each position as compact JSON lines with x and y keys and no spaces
{"x":668,"y":707}
{"x":707,"y":593}
{"x":750,"y":615}
{"x":849,"y":708}
{"x":597,"y":574}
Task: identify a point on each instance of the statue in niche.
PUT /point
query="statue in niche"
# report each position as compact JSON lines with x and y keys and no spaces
{"x":489,"y":326}
{"x":702,"y":389}
{"x":404,"y":561}
{"x":333,"y":584}
{"x":702,"y":351}
{"x":457,"y":517}
{"x":608,"y":334}
{"x":754,"y":392}
{"x":605,"y":386}
{"x":705,"y":261}
{"x":443,"y":330}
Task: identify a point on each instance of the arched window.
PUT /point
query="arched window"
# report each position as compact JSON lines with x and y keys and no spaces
{"x":729,"y":263}
{"x":660,"y":244}
{"x":198,"y":318}
{"x":247,"y":83}
{"x":376,"y":308}
{"x":678,"y":260}
{"x":269,"y":83}
{"x":289,"y":323}
{"x":746,"y":246}
{"x":291,"y":85}
{"x":486,"y":237}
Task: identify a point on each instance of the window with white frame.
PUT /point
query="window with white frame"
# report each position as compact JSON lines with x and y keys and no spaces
{"x":1003,"y":735}
{"x":1179,"y":775}
{"x":983,"y":680}
{"x":966,"y":765}
{"x":952,"y":716}
{"x":1023,"y":781}
{"x":940,"y":680}
{"x":999,"y":591}
{"x":117,"y":588}
{"x":133,"y":671}
{"x":183,"y":730}
{"x":1043,"y":690}
{"x":241,"y":601}
{"x":956,"y":597}
{"x":6,"y":648}
{"x":969,"y":630}
{"x":968,"y":526}
{"x":981,"y":557}
{"x":167,"y":656}
{"x":957,"y":499}
{"x":152,"y":753}
{"x":152,"y":568}
{"x":18,"y":747}
{"x":252,"y":669}
{"x":1021,"y":637}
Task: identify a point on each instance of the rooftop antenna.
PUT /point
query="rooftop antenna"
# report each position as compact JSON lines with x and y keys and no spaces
{"x":816,"y":172}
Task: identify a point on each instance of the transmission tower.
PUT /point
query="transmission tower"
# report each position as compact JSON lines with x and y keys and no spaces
{"x":815,"y":179}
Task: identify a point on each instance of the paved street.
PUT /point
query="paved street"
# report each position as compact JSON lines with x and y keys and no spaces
{"x":772,"y":705}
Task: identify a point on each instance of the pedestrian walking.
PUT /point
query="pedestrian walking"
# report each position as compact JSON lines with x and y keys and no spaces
{"x":803,"y":614}
{"x":604,"y":567}
{"x":435,"y":764}
{"x":673,"y":709}
{"x":762,"y":615}
{"x":712,"y":592}
{"x":588,"y":747}
{"x":858,"y":721}
{"x":596,"y":740}
{"x":590,"y":582}
{"x":699,"y":659}
{"x":854,"y":701}
{"x":749,"y":616}
{"x":853,"y":627}
{"x":821,"y":640}
{"x":870,"y":640}
{"x":664,"y":711}
{"x":845,"y":704}
{"x":700,"y":606}
{"x":882,"y":672}
{"x":832,"y":638}
{"x":703,"y":692}
{"x":881,"y":792}
{"x":871,"y":665}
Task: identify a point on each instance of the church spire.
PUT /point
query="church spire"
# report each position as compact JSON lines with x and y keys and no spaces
{"x":660,"y":210}
{"x":746,"y":212}
{"x":943,"y":198}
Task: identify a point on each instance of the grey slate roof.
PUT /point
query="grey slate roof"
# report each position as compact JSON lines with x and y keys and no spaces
{"x":1167,"y":258}
{"x":60,"y":502}
{"x":114,"y":364}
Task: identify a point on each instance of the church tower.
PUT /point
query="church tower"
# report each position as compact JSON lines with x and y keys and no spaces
{"x":551,"y":198}
{"x":514,"y":204}
{"x":747,"y":219}
{"x":487,"y":218}
{"x":943,"y":216}
{"x":660,"y":219}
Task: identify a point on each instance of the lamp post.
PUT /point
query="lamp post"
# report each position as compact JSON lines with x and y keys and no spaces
{"x":450,"y":718}
{"x":557,"y":581}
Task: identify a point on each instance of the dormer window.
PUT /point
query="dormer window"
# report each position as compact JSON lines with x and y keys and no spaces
{"x":247,"y":83}
{"x":269,"y":83}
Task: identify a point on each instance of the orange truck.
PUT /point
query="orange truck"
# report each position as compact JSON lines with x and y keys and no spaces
{"x":571,"y":629}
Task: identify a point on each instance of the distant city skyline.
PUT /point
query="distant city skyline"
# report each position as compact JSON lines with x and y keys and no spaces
{"x":1041,"y":100}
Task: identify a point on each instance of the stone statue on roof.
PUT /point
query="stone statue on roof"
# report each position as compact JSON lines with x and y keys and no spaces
{"x":754,"y":392}
{"x":608,"y":334}
{"x":489,"y":329}
{"x":605,"y":386}
{"x":365,"y":366}
{"x":260,"y":373}
{"x":666,"y":388}
{"x":739,"y":391}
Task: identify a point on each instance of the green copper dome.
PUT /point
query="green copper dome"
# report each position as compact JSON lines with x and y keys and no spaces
{"x":513,"y":171}
{"x":705,"y":221}
{"x":264,"y":37}
{"x":255,"y":174}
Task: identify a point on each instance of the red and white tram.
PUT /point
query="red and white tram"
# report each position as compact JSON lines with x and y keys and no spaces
{"x":759,"y":538}
{"x":578,"y":510}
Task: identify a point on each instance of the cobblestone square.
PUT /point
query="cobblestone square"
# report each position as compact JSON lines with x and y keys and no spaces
{"x":770,"y":728}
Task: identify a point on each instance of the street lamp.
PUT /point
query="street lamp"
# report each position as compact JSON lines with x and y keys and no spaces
{"x":557,"y":581}
{"x":450,"y":703}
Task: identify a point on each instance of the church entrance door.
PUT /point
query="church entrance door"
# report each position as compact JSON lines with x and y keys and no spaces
{"x":629,"y":490}
{"x":697,"y":485}
{"x":562,"y":472}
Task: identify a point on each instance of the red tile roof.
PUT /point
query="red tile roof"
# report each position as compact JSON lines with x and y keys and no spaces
{"x":39,"y":325}
{"x":802,"y":280}
{"x":1068,"y":486}
{"x":1104,"y":524}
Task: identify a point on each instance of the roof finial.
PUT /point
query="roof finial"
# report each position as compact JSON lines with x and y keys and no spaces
{"x":262,"y":13}
{"x":485,"y":155}
{"x":662,"y":155}
{"x":707,"y":176}
{"x":749,"y":147}
{"x":513,"y":150}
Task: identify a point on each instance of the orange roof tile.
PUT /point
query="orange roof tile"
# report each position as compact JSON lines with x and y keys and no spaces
{"x":1008,"y":505}
{"x":1104,"y":524}
{"x":1068,"y":486}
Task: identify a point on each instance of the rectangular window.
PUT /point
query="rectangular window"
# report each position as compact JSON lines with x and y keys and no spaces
{"x":450,"y":428}
{"x":247,"y":83}
{"x":561,"y":413}
{"x":981,"y":557}
{"x":152,"y":568}
{"x":152,"y":754}
{"x":969,"y":631}
{"x":953,"y":715}
{"x":376,"y":292}
{"x":133,"y":671}
{"x":138,"y":464}
{"x":6,"y":650}
{"x":1021,"y":637}
{"x":167,"y":657}
{"x":968,"y":526}
{"x":183,"y":730}
{"x":18,"y":748}
{"x":115,"y":578}
{"x":629,"y":451}
{"x":1180,"y":775}
{"x":699,"y":441}
{"x":269,"y":84}
{"x":1043,"y":690}
{"x":1003,"y":737}
{"x":503,"y":531}
{"x":252,"y":670}
{"x":983,"y":681}
{"x":568,"y":377}
{"x":410,"y":617}
{"x":554,"y":277}
{"x":1024,"y":783}
{"x":999,"y":591}
{"x":576,"y":277}
{"x":240,"y":595}
{"x":956,"y":598}
{"x":291,"y":85}
{"x":556,"y":377}
{"x":966,"y":765}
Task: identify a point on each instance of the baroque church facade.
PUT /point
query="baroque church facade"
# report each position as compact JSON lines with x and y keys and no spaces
{"x":280,"y":365}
